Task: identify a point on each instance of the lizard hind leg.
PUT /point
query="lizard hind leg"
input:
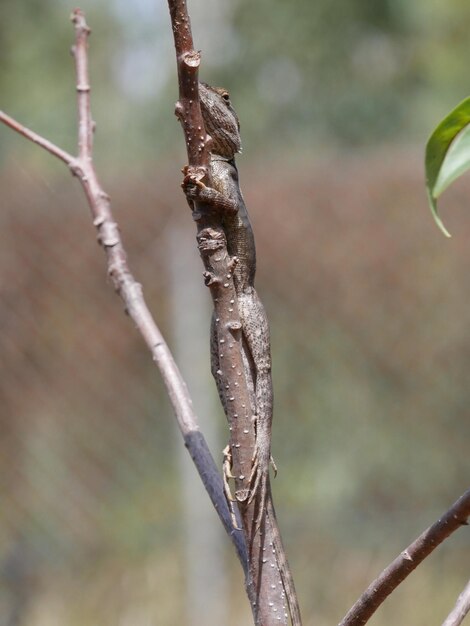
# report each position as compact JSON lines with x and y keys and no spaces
{"x":259,"y":480}
{"x":227,"y":474}
{"x":256,"y":335}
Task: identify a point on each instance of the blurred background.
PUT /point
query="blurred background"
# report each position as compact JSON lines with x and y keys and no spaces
{"x":102,"y":520}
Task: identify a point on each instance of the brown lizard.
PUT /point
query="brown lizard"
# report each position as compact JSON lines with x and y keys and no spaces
{"x":225,"y":197}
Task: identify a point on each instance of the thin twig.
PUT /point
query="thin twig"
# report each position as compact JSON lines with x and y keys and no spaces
{"x":125,"y":284}
{"x":461,"y":608}
{"x":64,"y":156}
{"x":407,"y":561}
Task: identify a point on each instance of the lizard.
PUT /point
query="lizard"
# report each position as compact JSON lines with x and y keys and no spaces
{"x":225,"y":197}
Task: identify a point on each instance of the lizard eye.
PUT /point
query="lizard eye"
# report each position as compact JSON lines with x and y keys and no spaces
{"x":226,"y":96}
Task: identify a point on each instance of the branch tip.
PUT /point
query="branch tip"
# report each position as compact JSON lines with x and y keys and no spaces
{"x":78,"y":18}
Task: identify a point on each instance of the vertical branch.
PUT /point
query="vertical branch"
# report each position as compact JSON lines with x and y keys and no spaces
{"x":210,"y":235}
{"x":264,"y":585}
{"x":80,"y":54}
{"x":188,"y":108}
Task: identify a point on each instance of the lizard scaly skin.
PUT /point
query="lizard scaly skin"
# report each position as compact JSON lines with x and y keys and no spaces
{"x":225,"y":197}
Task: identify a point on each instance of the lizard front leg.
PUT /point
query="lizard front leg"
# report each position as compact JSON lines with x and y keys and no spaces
{"x":197,"y":192}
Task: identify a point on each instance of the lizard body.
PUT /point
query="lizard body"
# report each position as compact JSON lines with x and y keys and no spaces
{"x":225,"y":197}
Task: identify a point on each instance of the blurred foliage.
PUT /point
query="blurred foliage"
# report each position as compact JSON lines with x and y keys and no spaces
{"x":347,"y":72}
{"x":36,"y":76}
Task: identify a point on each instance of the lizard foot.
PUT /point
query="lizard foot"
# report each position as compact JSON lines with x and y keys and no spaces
{"x":227,"y":474}
{"x":274,"y":466}
{"x":192,"y":186}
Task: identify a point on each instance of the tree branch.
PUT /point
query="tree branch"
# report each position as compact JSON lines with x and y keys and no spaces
{"x":64,"y":156}
{"x":461,"y":608}
{"x":264,"y":586}
{"x":125,"y":284}
{"x":407,"y":561}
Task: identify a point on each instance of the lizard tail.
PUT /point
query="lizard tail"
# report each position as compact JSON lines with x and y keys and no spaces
{"x":286,"y":574}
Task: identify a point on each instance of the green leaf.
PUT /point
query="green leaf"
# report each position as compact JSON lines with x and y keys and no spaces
{"x":447,"y":155}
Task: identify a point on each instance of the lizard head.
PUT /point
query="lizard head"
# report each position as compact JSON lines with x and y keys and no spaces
{"x":220,"y":120}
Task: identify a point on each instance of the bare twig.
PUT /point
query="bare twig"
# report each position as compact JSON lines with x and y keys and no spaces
{"x":67,"y":158}
{"x":126,"y":286}
{"x":407,"y":561}
{"x":461,"y":608}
